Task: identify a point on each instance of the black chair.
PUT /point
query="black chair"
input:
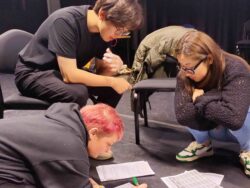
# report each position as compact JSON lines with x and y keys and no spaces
{"x":11,"y":42}
{"x":243,"y":46}
{"x":140,"y":94}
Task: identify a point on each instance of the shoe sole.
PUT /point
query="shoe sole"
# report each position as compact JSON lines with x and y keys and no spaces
{"x":190,"y":159}
{"x":247,"y":172}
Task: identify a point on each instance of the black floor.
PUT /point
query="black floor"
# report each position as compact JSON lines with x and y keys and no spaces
{"x":159,"y":144}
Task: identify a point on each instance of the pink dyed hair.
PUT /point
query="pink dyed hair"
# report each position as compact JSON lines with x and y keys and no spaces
{"x":103,"y":117}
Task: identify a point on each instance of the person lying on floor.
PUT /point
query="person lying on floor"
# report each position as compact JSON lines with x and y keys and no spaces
{"x":212,"y":97}
{"x":52,"y":149}
{"x":156,"y":48}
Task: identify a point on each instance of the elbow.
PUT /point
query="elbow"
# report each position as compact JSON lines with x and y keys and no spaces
{"x":181,"y":116}
{"x":235,"y":125}
{"x":67,"y":79}
{"x":183,"y":120}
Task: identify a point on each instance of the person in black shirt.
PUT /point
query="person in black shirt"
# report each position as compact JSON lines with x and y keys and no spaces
{"x":50,"y":65}
{"x":52,"y":149}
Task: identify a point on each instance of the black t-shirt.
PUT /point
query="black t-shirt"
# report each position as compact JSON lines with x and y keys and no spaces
{"x":64,"y":33}
{"x":45,"y":150}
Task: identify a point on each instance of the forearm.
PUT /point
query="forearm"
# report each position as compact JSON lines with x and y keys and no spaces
{"x":186,"y":112}
{"x":227,"y":107}
{"x":224,"y":110}
{"x":89,"y":79}
{"x":72,"y":74}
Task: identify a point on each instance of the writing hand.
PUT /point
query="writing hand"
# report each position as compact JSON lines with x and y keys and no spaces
{"x":143,"y":185}
{"x":94,"y":184}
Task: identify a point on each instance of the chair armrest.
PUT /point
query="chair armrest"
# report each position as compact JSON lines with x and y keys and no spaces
{"x":166,"y":84}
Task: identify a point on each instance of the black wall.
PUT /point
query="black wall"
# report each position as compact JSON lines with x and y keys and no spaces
{"x":22,"y":14}
{"x":221,"y":19}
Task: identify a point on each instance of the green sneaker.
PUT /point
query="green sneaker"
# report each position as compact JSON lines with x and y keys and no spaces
{"x":245,"y":161}
{"x":194,"y":151}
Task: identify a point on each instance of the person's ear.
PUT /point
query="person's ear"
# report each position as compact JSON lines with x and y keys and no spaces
{"x":93,"y":133}
{"x":102,"y":15}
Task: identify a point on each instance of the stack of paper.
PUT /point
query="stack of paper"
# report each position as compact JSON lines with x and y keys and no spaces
{"x":124,"y":170}
{"x":194,"y":179}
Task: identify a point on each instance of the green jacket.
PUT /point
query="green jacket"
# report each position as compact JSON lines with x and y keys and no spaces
{"x":153,"y":50}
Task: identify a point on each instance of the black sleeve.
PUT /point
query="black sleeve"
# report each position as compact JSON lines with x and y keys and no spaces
{"x":186,"y":112}
{"x":62,"y":39}
{"x":228,"y":107}
{"x":63,"y":174}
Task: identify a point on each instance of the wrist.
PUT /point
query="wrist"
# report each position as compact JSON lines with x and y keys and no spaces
{"x":110,"y":81}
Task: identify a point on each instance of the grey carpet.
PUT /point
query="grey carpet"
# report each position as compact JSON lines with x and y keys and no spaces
{"x":159,"y":144}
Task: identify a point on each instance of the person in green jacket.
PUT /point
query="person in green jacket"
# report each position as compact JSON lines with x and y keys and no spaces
{"x":156,"y":48}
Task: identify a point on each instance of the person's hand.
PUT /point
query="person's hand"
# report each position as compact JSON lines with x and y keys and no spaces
{"x":197,"y":93}
{"x":143,"y":185}
{"x":112,"y":62}
{"x":120,"y":85}
{"x":94,"y":184}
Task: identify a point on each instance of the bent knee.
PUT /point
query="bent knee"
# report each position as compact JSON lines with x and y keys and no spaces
{"x":80,"y":95}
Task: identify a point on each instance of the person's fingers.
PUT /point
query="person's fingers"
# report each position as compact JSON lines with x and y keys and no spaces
{"x":109,"y":60}
{"x":109,"y":55}
{"x":92,"y":181}
{"x":108,"y":50}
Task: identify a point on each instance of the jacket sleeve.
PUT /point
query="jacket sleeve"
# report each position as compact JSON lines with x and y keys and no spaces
{"x":140,"y":56}
{"x":186,"y":112}
{"x":229,"y":106}
{"x":64,"y":174}
{"x":157,"y":54}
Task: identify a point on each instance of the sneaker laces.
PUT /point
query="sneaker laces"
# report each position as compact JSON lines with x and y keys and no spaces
{"x":245,"y":155}
{"x":192,"y":146}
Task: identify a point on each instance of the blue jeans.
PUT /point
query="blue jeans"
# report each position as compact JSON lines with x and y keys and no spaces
{"x":241,"y":136}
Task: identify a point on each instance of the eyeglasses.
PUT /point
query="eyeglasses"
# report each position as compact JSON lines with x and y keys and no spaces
{"x":190,"y":70}
{"x":121,"y":32}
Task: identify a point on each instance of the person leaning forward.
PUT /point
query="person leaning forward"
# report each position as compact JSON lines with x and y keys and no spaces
{"x":52,"y":149}
{"x":50,"y":65}
{"x":212,"y":97}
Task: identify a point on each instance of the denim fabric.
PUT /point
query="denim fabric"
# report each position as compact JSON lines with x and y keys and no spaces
{"x":241,"y":136}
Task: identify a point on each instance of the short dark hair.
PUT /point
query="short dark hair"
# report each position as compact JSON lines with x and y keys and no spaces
{"x":122,"y":13}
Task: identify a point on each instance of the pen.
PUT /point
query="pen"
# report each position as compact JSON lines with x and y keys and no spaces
{"x":135,"y":181}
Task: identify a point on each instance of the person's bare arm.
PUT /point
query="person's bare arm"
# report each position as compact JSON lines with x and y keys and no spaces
{"x":71,"y":74}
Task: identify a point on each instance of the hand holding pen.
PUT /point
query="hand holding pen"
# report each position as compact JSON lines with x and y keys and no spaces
{"x":137,"y":185}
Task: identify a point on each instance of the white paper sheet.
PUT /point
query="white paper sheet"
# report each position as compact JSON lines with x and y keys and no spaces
{"x":194,"y":179}
{"x":124,"y":170}
{"x":126,"y":185}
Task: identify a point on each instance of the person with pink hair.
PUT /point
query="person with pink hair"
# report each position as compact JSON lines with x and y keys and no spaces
{"x":53,"y":149}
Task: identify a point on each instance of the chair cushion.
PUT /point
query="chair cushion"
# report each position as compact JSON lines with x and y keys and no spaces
{"x":17,"y":101}
{"x":13,"y":99}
